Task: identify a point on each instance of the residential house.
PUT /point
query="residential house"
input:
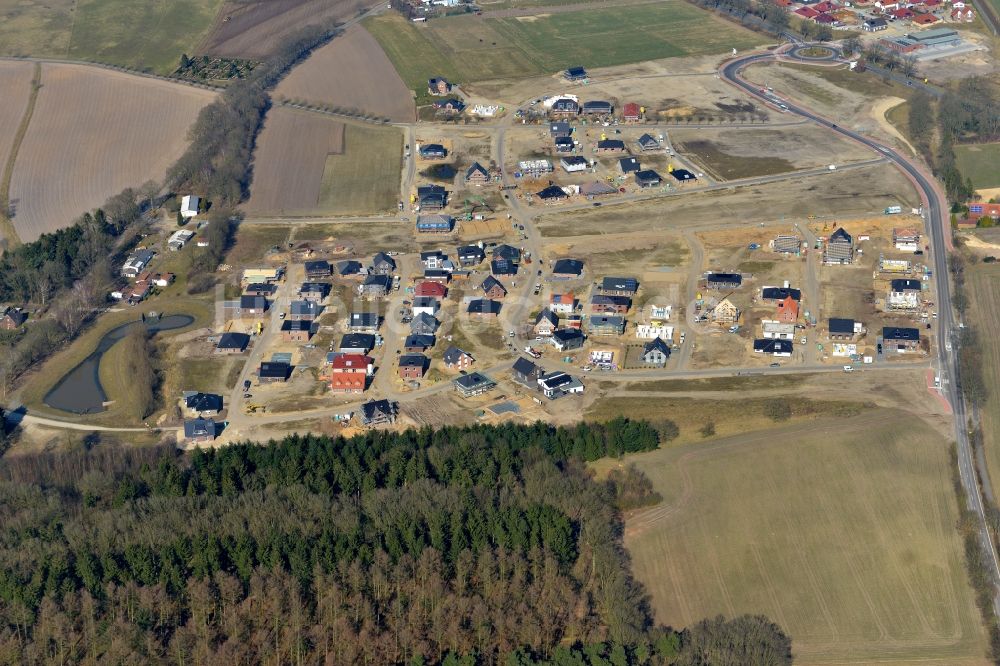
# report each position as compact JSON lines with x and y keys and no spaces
{"x":435,"y":224}
{"x":562,"y":303}
{"x":136,"y":263}
{"x":773,"y":347}
{"x":418,"y":343}
{"x":412,"y":366}
{"x":426,"y":304}
{"x":723,"y":280}
{"x":438,"y":86}
{"x":787,"y":244}
{"x":314,"y":291}
{"x":473,"y":384}
{"x":907,"y":240}
{"x":900,"y":340}
{"x":963,"y":14}
{"x":232,"y":343}
{"x":189,"y":206}
{"x":440,"y":275}
{"x":567,"y":339}
{"x":574,"y":164}
{"x":477,"y":175}
{"x":557,"y":384}
{"x":378,"y":413}
{"x":297,"y":330}
{"x":877,"y":24}
{"x":430,"y":290}
{"x":545,"y":323}
{"x":598,"y":108}
{"x":456,"y":359}
{"x":647,"y":178}
{"x":560,"y":128}
{"x":839,"y":248}
{"x":565,"y":269}
{"x":923,"y":19}
{"x":628,"y":165}
{"x":179,"y":239}
{"x":904,"y":294}
{"x":552,"y":194}
{"x":349,"y":373}
{"x":253,"y":305}
{"x":610,"y":146}
{"x":606,"y":325}
{"x":363,"y":322}
{"x":433,"y":259}
{"x":604,"y":304}
{"x":303,"y":310}
{"x":12,"y":319}
{"x":349,"y":268}
{"x":200,"y":430}
{"x":433,"y":151}
{"x":492,"y":288}
{"x":318,"y":269}
{"x":525,"y":372}
{"x":471,"y":255}
{"x":483,"y":308}
{"x":787,"y":310}
{"x":777,"y":330}
{"x":575,"y":74}
{"x":502,"y":266}
{"x":356,"y":343}
{"x":725,"y":312}
{"x":631,"y":112}
{"x":382,"y":264}
{"x":273,"y":371}
{"x":683,"y":176}
{"x":563,"y":144}
{"x":565,"y":106}
{"x":780,"y":293}
{"x":375,"y":286}
{"x":845,"y":329}
{"x":619,"y":286}
{"x":648,"y":143}
{"x":655,"y":353}
{"x":432,"y":197}
{"x":423,"y":324}
{"x":269,"y":274}
{"x":451,"y":106}
{"x":260,"y":289}
{"x":508,"y":252}
{"x":202,"y":404}
{"x":654,"y":330}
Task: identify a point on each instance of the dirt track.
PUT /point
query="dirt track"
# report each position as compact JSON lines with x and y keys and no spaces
{"x":95,"y":132}
{"x":352,"y":71}
{"x":289,"y":160}
{"x":15,"y":82}
{"x":255,"y":29}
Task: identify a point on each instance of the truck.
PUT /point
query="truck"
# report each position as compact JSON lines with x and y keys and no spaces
{"x":893,"y":210}
{"x":532,"y":352}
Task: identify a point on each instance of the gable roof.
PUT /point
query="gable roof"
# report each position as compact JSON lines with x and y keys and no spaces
{"x":656,"y":344}
{"x":567,"y":267}
{"x":897,"y":333}
{"x":524,"y":366}
{"x":233,"y":341}
{"x":483,"y":306}
{"x":377,"y":408}
{"x":413,"y":361}
{"x":364,"y":341}
{"x":476,"y":168}
{"x":200,"y":428}
{"x":203,"y":402}
{"x":547,"y":314}
{"x":841,"y":326}
{"x":453,"y":355}
{"x":490,"y":282}
{"x":840,"y":236}
{"x":620,"y":284}
{"x":424,"y":340}
{"x":382,"y":259}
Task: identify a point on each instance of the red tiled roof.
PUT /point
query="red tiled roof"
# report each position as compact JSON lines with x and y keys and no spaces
{"x":352,"y":363}
{"x":925,"y":19}
{"x":347,"y":381}
{"x":806,"y":12}
{"x":631,"y":110}
{"x":435,"y":289}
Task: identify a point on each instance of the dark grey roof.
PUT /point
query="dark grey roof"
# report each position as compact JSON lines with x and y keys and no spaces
{"x":272,"y":369}
{"x":611,"y":144}
{"x":474,"y":380}
{"x":779,"y":293}
{"x":234,"y":341}
{"x":502,"y":266}
{"x":554,"y":380}
{"x":560,"y":128}
{"x":382,"y":259}
{"x":524,"y":366}
{"x":491,"y":282}
{"x":413,"y":361}
{"x":616,"y":321}
{"x":348,"y":267}
{"x":377,"y":408}
{"x":483,"y":306}
{"x":296,"y":325}
{"x":771,"y":346}
{"x":471,"y":250}
{"x":568,"y":267}
{"x":899,"y":334}
{"x":200,"y":428}
{"x":648,"y":140}
{"x":597,"y":105}
{"x":453,"y":354}
{"x":433,"y":149}
{"x":552,"y":192}
{"x":628,"y":164}
{"x":476,"y":167}
{"x":563,"y":141}
{"x":364,"y":319}
{"x":647,"y":176}
{"x":303,"y":308}
{"x":841,"y":236}
{"x":384,"y":281}
{"x":203,"y":402}
{"x":319,"y":266}
{"x":364,"y":341}
{"x":602,"y":299}
{"x":841,"y":326}
{"x":314,"y":287}
{"x":656,"y":344}
{"x":620,"y":284}
{"x":248,"y":302}
{"x":261,"y":287}
{"x":682,"y":175}
{"x":547,"y":314}
{"x":508,"y":252}
{"x":905,"y":284}
{"x":424,"y":323}
{"x":566,"y":334}
{"x":419,"y":340}
{"x":726,"y":278}
{"x":574,"y":160}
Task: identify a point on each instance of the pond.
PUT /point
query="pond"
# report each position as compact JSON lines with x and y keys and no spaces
{"x":80,"y":390}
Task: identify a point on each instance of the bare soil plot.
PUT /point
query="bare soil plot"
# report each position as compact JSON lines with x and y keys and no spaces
{"x":841,"y":530}
{"x":833,"y":195}
{"x":15,"y":83}
{"x":256,"y":28}
{"x":745,"y":153}
{"x":122,"y":130}
{"x":351,"y":72}
{"x":365,"y":177}
{"x":289,"y":160}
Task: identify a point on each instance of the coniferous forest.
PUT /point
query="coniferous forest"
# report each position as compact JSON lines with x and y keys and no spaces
{"x":471,"y":545}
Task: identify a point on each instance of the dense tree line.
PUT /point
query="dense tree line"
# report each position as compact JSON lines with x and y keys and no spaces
{"x":763,"y":15}
{"x":462,"y":545}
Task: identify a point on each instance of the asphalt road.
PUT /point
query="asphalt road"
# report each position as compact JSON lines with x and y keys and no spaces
{"x":937,"y":223}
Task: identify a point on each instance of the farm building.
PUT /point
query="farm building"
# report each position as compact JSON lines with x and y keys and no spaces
{"x":901,"y":340}
{"x":839,"y":248}
{"x":655,"y":353}
{"x":378,"y":412}
{"x":189,"y":206}
{"x":473,"y":384}
{"x":435,"y":224}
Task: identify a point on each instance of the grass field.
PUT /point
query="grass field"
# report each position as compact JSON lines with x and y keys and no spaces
{"x":364,"y":179}
{"x":980,"y":162}
{"x":984,"y":289}
{"x":143,"y":35}
{"x":841,"y":531}
{"x":469,"y":48}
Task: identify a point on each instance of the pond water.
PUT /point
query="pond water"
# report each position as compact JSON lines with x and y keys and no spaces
{"x":80,"y":390}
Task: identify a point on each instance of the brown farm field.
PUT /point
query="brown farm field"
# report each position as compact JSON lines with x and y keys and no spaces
{"x":122,"y":131}
{"x":841,"y":530}
{"x":288,"y":163}
{"x":351,"y":72}
{"x":15,"y":82}
{"x":256,"y":28}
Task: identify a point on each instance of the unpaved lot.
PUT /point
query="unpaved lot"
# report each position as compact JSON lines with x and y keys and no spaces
{"x":255,"y":29}
{"x":95,"y":132}
{"x":15,"y":87}
{"x":351,"y":72}
{"x":289,"y":160}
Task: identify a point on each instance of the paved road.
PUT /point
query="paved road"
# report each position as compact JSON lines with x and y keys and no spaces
{"x":938,"y":228}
